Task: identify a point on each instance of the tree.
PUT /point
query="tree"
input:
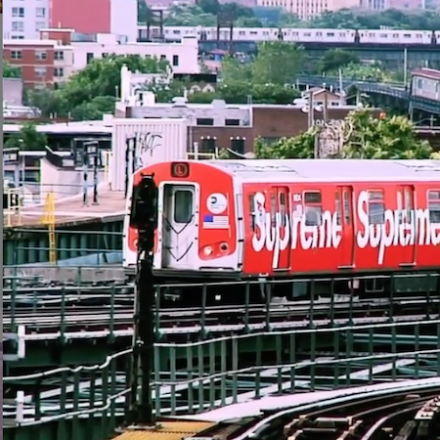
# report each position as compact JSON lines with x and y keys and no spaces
{"x":92,"y":92}
{"x":27,"y":138}
{"x":10,"y":71}
{"x":365,"y":137}
{"x":207,"y":12}
{"x":335,"y":59}
{"x":277,"y":62}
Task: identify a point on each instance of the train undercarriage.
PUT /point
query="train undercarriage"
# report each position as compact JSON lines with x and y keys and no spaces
{"x":191,"y":290}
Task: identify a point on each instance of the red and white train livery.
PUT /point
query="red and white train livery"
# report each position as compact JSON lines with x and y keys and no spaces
{"x":283,"y":218}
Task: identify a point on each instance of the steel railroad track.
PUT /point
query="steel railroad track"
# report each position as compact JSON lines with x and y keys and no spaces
{"x":91,"y":316}
{"x":398,"y":416}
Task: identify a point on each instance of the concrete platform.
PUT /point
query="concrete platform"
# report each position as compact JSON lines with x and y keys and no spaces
{"x":173,"y":430}
{"x":71,"y":211}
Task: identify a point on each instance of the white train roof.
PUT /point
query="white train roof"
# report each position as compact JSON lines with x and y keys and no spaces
{"x":330,"y":170}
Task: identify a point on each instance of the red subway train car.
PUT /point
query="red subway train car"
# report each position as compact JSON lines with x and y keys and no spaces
{"x":292,"y":218}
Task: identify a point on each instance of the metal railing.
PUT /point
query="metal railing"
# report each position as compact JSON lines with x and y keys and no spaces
{"x":196,"y":377}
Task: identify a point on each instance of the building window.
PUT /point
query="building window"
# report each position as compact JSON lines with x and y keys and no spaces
{"x":17,"y":26}
{"x":175,"y":60}
{"x":104,"y":55}
{"x":16,"y":55}
{"x":58,"y":72}
{"x":18,"y":12}
{"x":237,"y":145}
{"x":40,"y":55}
{"x":40,"y":72}
{"x":208,"y":145}
{"x":233,"y":122}
{"x":376,"y":207}
{"x":40,"y":12}
{"x":89,"y":57}
{"x":17,"y":37}
{"x":40,"y":25}
{"x":59,"y":55}
{"x":163,"y":57}
{"x":205,"y":121}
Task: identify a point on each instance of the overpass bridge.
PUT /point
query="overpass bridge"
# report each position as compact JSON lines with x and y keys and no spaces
{"x":397,"y":91}
{"x":393,"y":56}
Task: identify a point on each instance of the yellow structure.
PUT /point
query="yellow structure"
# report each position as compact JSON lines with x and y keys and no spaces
{"x":307,"y":9}
{"x":48,"y":219}
{"x":171,"y":430}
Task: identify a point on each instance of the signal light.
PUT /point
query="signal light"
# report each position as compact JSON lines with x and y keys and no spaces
{"x":143,"y":213}
{"x":180,"y":170}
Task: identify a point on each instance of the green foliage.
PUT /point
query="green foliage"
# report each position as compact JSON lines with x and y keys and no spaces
{"x":366,"y":137}
{"x":205,"y":14}
{"x":275,"y":63}
{"x":92,"y":92}
{"x":335,"y":59}
{"x":27,"y":139}
{"x":10,"y":71}
{"x":372,"y":72}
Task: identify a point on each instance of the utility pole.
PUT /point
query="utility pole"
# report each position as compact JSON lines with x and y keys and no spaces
{"x":143,"y":217}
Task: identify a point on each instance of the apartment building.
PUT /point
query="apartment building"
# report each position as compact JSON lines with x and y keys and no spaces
{"x":98,"y":16}
{"x":182,"y":56}
{"x":22,"y":19}
{"x":55,"y":56}
{"x":307,"y":9}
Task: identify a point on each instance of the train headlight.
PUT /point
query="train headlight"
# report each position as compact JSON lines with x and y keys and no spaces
{"x":224,"y":247}
{"x":207,"y":251}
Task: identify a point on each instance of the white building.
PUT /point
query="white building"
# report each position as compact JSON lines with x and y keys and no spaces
{"x":182,"y":56}
{"x":22,"y":19}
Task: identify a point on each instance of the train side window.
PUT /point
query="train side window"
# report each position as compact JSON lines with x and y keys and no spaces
{"x":347,"y":207}
{"x":183,"y":206}
{"x":434,"y":206}
{"x":283,"y":209}
{"x":273,"y":208}
{"x":376,"y":207}
{"x":252,"y":210}
{"x":313,"y":208}
{"x":338,"y":207}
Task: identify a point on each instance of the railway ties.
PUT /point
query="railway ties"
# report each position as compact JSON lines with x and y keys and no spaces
{"x":397,"y":416}
{"x":172,"y":320}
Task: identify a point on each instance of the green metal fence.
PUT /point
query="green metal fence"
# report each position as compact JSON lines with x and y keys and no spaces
{"x":195,"y":377}
{"x":30,"y":246}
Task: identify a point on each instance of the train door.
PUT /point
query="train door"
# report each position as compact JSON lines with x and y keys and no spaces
{"x":280,"y":205}
{"x":406,"y":205}
{"x":344,"y":206}
{"x":178,"y":229}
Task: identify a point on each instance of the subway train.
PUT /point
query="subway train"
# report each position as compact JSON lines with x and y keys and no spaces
{"x":362,"y":36}
{"x":292,"y":219}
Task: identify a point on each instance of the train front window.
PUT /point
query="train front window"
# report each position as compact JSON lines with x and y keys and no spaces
{"x":183,"y":206}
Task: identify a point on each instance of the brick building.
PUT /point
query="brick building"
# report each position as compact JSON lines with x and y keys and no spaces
{"x":35,"y":59}
{"x":218,"y":125}
{"x":43,"y":62}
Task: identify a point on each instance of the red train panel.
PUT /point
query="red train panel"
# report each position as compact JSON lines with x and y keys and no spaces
{"x":283,"y":218}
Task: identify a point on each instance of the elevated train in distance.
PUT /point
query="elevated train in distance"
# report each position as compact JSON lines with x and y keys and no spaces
{"x":298,"y":35}
{"x":294,"y":219}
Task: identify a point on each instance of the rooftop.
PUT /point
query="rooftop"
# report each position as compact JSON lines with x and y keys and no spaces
{"x":71,"y":210}
{"x":427,"y":73}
